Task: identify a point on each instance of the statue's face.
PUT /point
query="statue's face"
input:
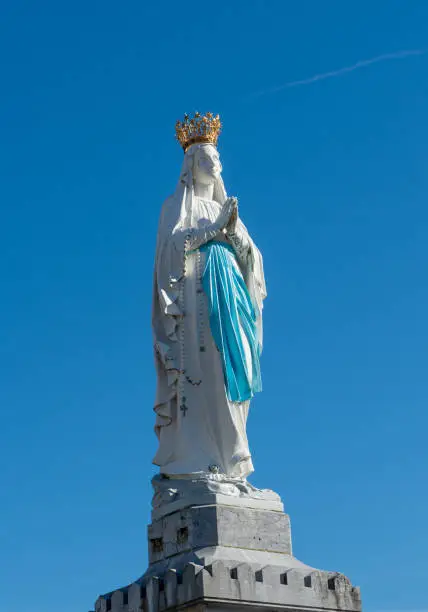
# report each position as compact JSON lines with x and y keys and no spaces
{"x":207,"y":167}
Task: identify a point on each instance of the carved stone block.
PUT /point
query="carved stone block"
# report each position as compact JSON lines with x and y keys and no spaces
{"x":203,"y":526}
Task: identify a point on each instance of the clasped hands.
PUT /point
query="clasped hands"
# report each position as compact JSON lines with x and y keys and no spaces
{"x":228,"y":216}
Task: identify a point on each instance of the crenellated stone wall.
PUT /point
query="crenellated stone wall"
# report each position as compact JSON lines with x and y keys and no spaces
{"x":241,"y":585}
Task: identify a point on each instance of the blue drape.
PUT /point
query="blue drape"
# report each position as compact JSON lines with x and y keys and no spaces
{"x":231,"y":313}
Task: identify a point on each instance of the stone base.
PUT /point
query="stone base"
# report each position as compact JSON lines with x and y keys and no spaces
{"x":200,"y":527}
{"x":171,"y":494}
{"x":223,"y":557}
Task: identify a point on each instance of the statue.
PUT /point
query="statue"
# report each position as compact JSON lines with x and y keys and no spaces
{"x":208,"y":294}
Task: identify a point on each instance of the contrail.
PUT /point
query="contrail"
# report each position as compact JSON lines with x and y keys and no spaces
{"x":334,"y":73}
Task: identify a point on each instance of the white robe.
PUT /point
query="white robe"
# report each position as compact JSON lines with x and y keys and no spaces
{"x":198,"y":428}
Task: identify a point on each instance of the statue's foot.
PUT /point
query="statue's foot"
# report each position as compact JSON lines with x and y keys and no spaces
{"x":173,"y":492}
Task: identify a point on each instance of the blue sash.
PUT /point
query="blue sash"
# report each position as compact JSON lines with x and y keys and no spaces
{"x":231,"y":312}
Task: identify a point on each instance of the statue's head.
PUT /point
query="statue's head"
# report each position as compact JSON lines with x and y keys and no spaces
{"x":198,"y":136}
{"x":206,"y":164}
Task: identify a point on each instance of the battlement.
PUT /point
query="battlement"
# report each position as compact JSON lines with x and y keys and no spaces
{"x":243,"y":584}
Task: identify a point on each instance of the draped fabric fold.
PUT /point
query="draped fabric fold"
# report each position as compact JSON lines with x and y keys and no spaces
{"x":232,"y":321}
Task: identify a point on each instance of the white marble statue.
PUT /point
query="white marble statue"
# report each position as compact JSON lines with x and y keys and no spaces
{"x":207,"y":313}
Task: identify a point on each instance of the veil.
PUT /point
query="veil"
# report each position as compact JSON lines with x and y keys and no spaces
{"x":185,"y":192}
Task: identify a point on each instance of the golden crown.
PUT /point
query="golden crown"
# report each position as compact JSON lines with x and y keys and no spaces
{"x":201,"y":128}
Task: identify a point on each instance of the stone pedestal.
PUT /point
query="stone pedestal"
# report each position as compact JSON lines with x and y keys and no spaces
{"x":188,"y":532}
{"x":224,"y":557}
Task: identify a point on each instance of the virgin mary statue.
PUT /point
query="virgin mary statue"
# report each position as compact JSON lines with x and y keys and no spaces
{"x":207,"y":318}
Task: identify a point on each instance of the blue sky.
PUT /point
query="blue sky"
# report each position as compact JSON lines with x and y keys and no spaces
{"x":332,"y":181}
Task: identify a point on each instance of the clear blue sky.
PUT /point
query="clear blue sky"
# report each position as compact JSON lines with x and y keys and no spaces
{"x":333,"y":184}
